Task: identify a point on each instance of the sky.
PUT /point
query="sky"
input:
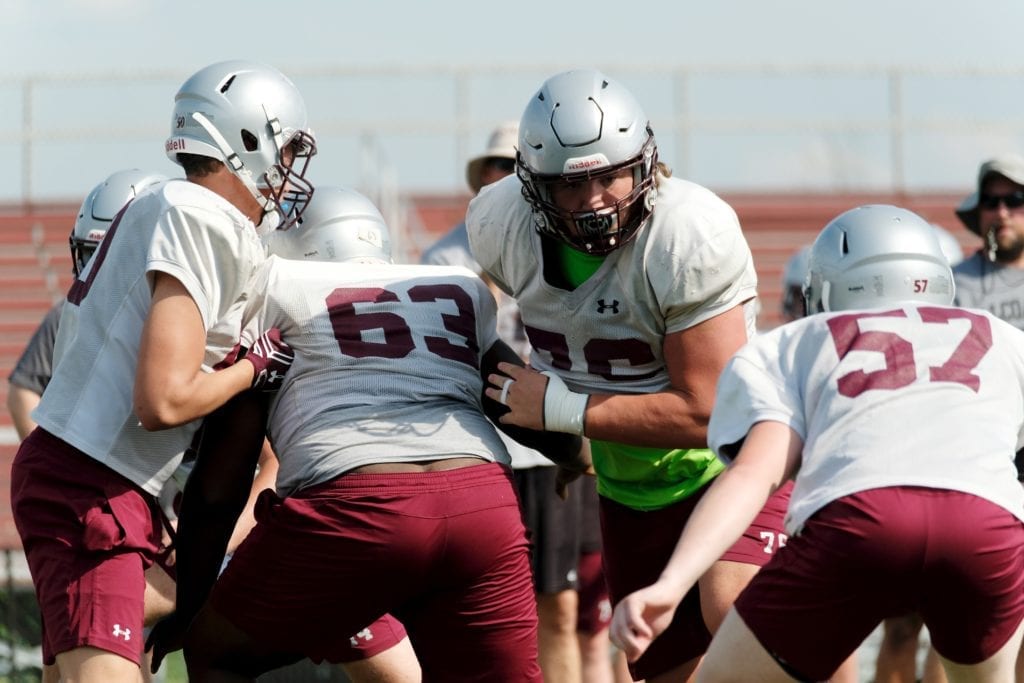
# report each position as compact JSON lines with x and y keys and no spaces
{"x":781,"y":95}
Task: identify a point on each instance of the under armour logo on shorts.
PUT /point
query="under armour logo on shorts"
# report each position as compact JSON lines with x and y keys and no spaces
{"x":118,"y":632}
{"x":365,"y":634}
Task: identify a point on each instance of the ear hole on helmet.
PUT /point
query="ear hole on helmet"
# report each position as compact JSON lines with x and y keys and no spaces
{"x":250,"y":141}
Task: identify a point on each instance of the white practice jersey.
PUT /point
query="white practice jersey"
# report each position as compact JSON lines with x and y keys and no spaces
{"x":913,"y":395}
{"x":178,"y":228}
{"x":387,"y":365}
{"x":690,"y":263}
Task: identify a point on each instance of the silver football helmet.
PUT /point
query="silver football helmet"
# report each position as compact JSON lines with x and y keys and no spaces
{"x":950,"y":245}
{"x":340,"y":225}
{"x":582,"y":125}
{"x":252,"y":118}
{"x":793,"y":278}
{"x":101,"y":206}
{"x":876,"y":255}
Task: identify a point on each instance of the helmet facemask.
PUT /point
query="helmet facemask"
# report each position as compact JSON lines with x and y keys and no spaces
{"x":289,"y":191}
{"x":81,"y":252}
{"x":252,"y":118}
{"x":594,"y":231}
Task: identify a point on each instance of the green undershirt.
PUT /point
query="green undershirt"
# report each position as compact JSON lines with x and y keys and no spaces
{"x":635,"y":476}
{"x":576,"y":265}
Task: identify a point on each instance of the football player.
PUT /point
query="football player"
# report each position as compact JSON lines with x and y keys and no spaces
{"x":634,"y":288}
{"x":393,"y":491}
{"x":34,"y":367}
{"x":157,"y":307}
{"x":897,"y":508}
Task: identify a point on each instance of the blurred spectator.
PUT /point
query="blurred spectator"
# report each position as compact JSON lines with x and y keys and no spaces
{"x":993,"y":278}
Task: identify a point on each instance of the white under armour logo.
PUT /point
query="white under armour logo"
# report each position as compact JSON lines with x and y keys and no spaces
{"x":604,"y":608}
{"x":118,"y":631}
{"x":365,"y":634}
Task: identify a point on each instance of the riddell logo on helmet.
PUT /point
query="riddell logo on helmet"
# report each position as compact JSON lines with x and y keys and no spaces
{"x":174,"y":145}
{"x":585,"y":163}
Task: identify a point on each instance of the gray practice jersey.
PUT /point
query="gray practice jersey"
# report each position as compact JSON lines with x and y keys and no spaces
{"x":387,"y":365}
{"x":178,"y":228}
{"x":993,"y":287}
{"x":453,"y":250}
{"x":911,"y":395}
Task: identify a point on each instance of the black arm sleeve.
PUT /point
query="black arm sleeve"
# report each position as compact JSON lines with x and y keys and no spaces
{"x":227,"y":452}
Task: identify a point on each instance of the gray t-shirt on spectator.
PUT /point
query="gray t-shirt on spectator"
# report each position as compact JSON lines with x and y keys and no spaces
{"x":35,"y":366}
{"x":992,"y":287}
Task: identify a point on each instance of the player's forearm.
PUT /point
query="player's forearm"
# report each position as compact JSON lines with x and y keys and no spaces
{"x":20,"y":403}
{"x":769,"y":456}
{"x":661,"y":420}
{"x":164,"y":400}
{"x":266,"y":478}
{"x":726,"y":510}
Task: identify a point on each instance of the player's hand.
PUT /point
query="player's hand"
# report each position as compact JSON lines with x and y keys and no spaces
{"x":641,"y":617}
{"x":522,"y":390}
{"x":564,"y":477}
{"x":166,"y":636}
{"x":270,"y":358}
{"x":568,"y":473}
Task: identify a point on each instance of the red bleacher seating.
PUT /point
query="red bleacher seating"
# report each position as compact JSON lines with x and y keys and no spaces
{"x":35,"y":270}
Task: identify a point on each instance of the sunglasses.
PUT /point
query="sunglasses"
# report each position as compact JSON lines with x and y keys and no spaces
{"x":1014,"y":200}
{"x":501,"y":164}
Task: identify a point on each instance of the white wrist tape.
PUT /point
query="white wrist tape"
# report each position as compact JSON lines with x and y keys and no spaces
{"x":563,"y":409}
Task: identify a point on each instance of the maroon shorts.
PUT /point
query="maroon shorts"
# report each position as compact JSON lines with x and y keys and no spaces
{"x":444,"y":552}
{"x":956,"y":559}
{"x":637,"y":546}
{"x":379,"y":636}
{"x":89,"y":534}
{"x":594,"y":612}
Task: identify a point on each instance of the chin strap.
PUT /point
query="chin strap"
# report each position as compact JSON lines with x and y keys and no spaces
{"x":564,"y":410}
{"x":234,"y":163}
